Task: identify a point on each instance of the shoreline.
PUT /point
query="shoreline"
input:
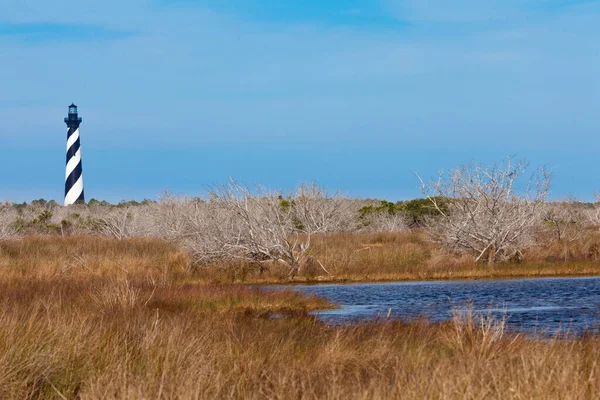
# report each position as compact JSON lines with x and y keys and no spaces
{"x":405,"y":279}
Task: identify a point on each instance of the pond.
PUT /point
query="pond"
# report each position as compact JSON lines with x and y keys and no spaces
{"x":537,"y":306}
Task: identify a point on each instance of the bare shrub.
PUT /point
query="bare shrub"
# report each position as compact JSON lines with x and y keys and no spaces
{"x":77,"y":219}
{"x":37,"y":218}
{"x":319,"y":212}
{"x":386,"y":222}
{"x":122,"y":222}
{"x":42,"y":217}
{"x":383,"y":217}
{"x":200,"y":226}
{"x":256,"y":228}
{"x":8,"y":217}
{"x":179,"y":218}
{"x":564,"y":220}
{"x":592,"y":215}
{"x":482,"y":211}
{"x":264,"y":226}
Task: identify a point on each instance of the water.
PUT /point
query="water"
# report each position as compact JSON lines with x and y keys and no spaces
{"x":538,"y":306}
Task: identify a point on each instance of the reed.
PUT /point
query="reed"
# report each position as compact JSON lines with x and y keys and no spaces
{"x":366,"y":257}
{"x":93,"y":318}
{"x":348,"y":257}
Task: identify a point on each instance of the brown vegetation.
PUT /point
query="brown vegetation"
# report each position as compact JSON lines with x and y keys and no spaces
{"x":412,"y":255}
{"x":483,"y":213}
{"x":475,"y":216}
{"x":101,"y":318}
{"x":409,"y":255}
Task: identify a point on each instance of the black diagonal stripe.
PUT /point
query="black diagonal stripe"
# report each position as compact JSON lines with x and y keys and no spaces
{"x":72,"y":130}
{"x":80,"y":199}
{"x":73,"y":177}
{"x":73,"y":149}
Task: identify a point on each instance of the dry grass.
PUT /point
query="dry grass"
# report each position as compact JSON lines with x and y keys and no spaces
{"x":412,"y":256}
{"x":348,"y":257}
{"x":91,"y":318}
{"x":45,"y":257}
{"x":365,"y":257}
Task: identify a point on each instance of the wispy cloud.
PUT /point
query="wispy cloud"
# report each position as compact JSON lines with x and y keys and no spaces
{"x":357,"y":13}
{"x":461,"y":75}
{"x":481,"y":10}
{"x":43,"y":32}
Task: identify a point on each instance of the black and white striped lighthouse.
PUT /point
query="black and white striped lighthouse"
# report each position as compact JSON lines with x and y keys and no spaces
{"x":74,"y":171}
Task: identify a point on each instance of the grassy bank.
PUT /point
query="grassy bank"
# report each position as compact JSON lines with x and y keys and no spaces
{"x":368,"y":257}
{"x":97,"y":318}
{"x":349,"y":257}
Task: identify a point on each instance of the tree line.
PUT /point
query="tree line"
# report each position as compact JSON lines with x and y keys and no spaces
{"x":492,"y":212}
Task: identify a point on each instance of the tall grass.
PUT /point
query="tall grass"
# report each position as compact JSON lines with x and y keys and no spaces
{"x":92,"y":318}
{"x":412,"y":256}
{"x":50,"y":350}
{"x":346,"y":256}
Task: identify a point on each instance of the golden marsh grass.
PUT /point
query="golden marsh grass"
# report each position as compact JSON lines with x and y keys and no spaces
{"x":95,"y":318}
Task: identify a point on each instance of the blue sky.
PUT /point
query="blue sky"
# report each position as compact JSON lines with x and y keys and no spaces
{"x":357,"y":95}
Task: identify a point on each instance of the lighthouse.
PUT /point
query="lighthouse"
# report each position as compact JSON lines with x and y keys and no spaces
{"x":74,"y":171}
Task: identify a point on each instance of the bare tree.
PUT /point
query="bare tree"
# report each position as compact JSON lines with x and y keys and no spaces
{"x":176,"y":218}
{"x":565,"y":220}
{"x":482,"y":211}
{"x":122,"y":222}
{"x":8,"y":216}
{"x":386,"y":222}
{"x":237,"y":224}
{"x":255,"y":227}
{"x":316,"y":211}
{"x":593,"y":215}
